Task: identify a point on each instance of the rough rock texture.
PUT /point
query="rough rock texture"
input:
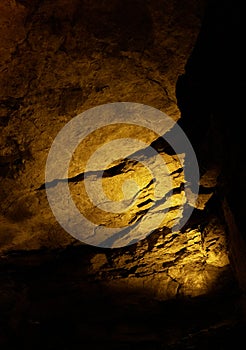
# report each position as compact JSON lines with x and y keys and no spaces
{"x":61,"y":62}
{"x":190,"y":263}
{"x":59,"y":59}
{"x":65,"y":62}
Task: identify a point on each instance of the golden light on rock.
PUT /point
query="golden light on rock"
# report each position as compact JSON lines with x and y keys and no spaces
{"x":126,"y":180}
{"x":129,"y":184}
{"x":121,"y":181}
{"x":186,"y":264}
{"x":102,"y":136}
{"x":129,"y":277}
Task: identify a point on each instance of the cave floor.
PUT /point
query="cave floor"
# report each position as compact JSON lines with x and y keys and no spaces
{"x":47,"y":301}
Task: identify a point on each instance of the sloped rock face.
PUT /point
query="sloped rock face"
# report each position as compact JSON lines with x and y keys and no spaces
{"x":61,"y":62}
{"x":190,"y":263}
{"x":60,"y":59}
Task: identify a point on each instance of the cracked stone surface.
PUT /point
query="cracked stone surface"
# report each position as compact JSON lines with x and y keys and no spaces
{"x":59,"y":59}
{"x":61,"y":63}
{"x":190,"y":263}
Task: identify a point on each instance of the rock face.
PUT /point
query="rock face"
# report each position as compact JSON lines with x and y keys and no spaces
{"x":63,"y":62}
{"x":63,"y":58}
{"x":190,"y":263}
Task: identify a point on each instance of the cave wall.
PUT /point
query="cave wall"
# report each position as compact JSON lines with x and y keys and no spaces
{"x":59,"y":59}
